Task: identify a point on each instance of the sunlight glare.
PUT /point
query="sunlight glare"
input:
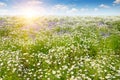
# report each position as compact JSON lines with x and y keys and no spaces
{"x":29,"y":13}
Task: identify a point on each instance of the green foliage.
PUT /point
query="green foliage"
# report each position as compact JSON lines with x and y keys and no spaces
{"x":116,"y":25}
{"x":71,"y":48}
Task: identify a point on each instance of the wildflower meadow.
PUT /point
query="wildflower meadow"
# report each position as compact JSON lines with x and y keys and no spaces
{"x":60,"y":48}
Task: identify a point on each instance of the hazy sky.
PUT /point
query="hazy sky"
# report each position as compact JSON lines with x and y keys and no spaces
{"x":60,"y":7}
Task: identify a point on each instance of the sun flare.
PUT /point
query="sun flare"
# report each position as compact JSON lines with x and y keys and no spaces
{"x":29,"y":13}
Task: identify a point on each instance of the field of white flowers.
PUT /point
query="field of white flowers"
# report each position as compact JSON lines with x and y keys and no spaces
{"x":60,"y":48}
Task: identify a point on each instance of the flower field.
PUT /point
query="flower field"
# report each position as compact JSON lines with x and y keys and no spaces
{"x":60,"y":48}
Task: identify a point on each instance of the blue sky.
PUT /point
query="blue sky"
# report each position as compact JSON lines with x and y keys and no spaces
{"x":60,"y":7}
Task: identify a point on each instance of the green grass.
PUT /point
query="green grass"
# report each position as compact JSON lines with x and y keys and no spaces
{"x":79,"y":48}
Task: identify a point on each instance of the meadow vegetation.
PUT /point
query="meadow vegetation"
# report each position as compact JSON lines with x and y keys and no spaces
{"x":60,"y":48}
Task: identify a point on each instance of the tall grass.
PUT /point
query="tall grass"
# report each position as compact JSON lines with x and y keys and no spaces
{"x":64,"y":48}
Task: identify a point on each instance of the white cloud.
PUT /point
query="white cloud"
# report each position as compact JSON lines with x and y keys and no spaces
{"x":117,"y":2}
{"x":96,"y":9}
{"x":28,"y":3}
{"x":34,"y":2}
{"x":3,"y":11}
{"x":73,"y":10}
{"x":104,"y":6}
{"x":2,"y":4}
{"x":83,"y":9}
{"x":60,"y":7}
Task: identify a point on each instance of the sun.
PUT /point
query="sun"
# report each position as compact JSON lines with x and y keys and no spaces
{"x":29,"y":13}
